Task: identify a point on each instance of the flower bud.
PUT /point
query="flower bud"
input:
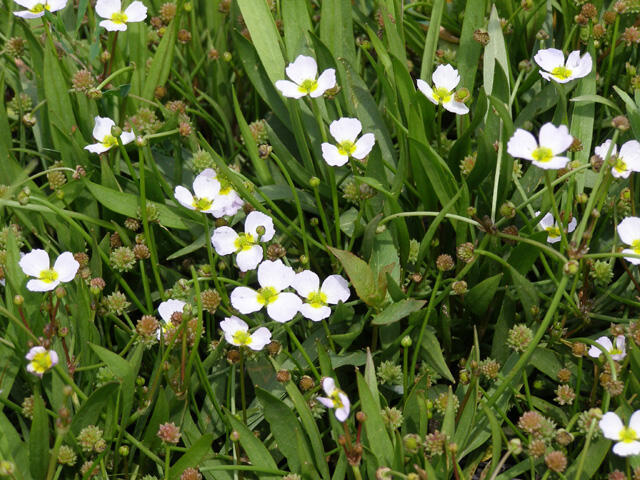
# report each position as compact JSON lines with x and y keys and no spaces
{"x":116,"y":131}
{"x":314,"y":182}
{"x":571,"y":267}
{"x":406,"y":341}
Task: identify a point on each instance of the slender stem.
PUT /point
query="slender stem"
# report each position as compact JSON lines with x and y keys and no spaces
{"x":452,"y":216}
{"x":302,"y":351}
{"x":336,"y":207}
{"x":425,"y":321}
{"x":323,"y":215}
{"x":585,"y":450}
{"x":556,"y":212}
{"x":327,"y":332}
{"x":167,"y":461}
{"x":496,"y":178}
{"x":243,"y":397}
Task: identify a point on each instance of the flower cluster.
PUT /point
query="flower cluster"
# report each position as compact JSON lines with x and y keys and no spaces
{"x":213,"y":195}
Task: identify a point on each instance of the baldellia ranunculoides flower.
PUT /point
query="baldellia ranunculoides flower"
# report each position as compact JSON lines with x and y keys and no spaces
{"x":273,"y":278}
{"x":36,"y":264}
{"x":549,"y":225}
{"x":116,"y":18}
{"x":106,"y":141}
{"x":627,"y":161}
{"x":626,"y":437}
{"x":36,"y":8}
{"x":551,"y":60}
{"x":335,"y":398}
{"x":236,"y":332}
{"x":544,"y":154}
{"x":445,"y":80}
{"x":303,"y":72}
{"x":346,"y":131}
{"x":617,"y":352}
{"x":258,"y":227}
{"x":334,"y":289}
{"x":166,"y":310}
{"x":629,"y":233}
{"x":41,"y":360}
{"x":210,"y":195}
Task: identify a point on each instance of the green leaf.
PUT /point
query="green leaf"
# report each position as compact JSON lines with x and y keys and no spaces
{"x":91,"y":409}
{"x":162,"y":60}
{"x":431,"y":352}
{"x":375,"y":431}
{"x":480,"y":296}
{"x":296,"y":22}
{"x":193,"y":456}
{"x":495,"y":52}
{"x":39,"y":439}
{"x":596,"y":99}
{"x":255,"y":449}
{"x":431,"y":42}
{"x":361,"y":276}
{"x":336,"y":29}
{"x":398,"y":311}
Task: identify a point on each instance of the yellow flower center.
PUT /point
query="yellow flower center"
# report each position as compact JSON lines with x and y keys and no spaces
{"x":615,"y":351}
{"x":620,"y":165}
{"x":109,"y":141}
{"x":119,"y":17}
{"x":242,"y":338}
{"x":542,"y":154}
{"x":553,"y":232}
{"x":267,"y":295}
{"x":627,"y":435}
{"x":201,"y":204}
{"x":39,"y":8}
{"x":335,"y":396}
{"x":225,"y":186}
{"x":346,"y":148}
{"x":317,"y":299}
{"x":561,"y":73}
{"x":244,"y":242}
{"x":441,"y":95}
{"x":635,"y":245}
{"x":41,"y":362}
{"x":48,"y":276}
{"x":307,"y":86}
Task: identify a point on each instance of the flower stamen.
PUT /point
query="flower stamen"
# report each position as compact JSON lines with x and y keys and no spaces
{"x":48,"y":276}
{"x":542,"y":154}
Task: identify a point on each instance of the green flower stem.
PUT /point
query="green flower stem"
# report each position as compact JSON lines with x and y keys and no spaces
{"x":405,"y":374}
{"x":556,"y":212}
{"x":576,"y":404}
{"x":112,"y":76}
{"x":496,"y":178}
{"x":127,"y":159}
{"x":242,"y":468}
{"x":325,"y":325}
{"x":611,"y":255}
{"x":300,"y":137}
{"x":323,"y":215}
{"x":302,"y":351}
{"x":541,"y":246}
{"x":53,"y":456}
{"x":614,"y":376}
{"x":500,"y":464}
{"x":524,"y":359}
{"x":336,"y":207}
{"x":296,"y":199}
{"x":356,"y":472}
{"x":585,"y":450}
{"x":167,"y":461}
{"x":425,"y":321}
{"x":168,"y":133}
{"x":243,"y":395}
{"x":612,"y":54}
{"x":429,"y":214}
{"x":145,"y":285}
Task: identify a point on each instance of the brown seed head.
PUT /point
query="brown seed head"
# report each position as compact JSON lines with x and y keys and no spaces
{"x":169,"y":433}
{"x":556,"y":461}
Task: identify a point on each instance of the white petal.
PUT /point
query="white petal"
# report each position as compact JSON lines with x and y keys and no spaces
{"x":327,"y":402}
{"x":34,"y":351}
{"x":54,"y":358}
{"x":326,"y":80}
{"x":275,"y":274}
{"x":611,"y":425}
{"x":601,"y":150}
{"x":328,"y":385}
{"x":167,"y":308}
{"x":554,"y":164}
{"x":127,"y":137}
{"x":224,"y":240}
{"x":458,"y":108}
{"x":584,"y":67}
{"x":555,"y":138}
{"x":426,"y":90}
{"x":206,"y":185}
{"x":364,"y":146}
{"x":184,"y":196}
{"x":97,"y":148}
{"x":249,"y":259}
{"x":260,"y":338}
{"x":630,"y":153}
{"x":285,"y":307}
{"x":342,"y":413}
{"x":336,"y":288}
{"x":626,"y":449}
{"x":634,"y":422}
{"x":257,"y":219}
{"x":548,"y":77}
{"x":620,"y":345}
{"x":546,"y":221}
{"x":26,"y":14}
{"x":110,"y":26}
{"x":55,"y":5}
{"x":289,"y":89}
{"x":573,"y":223}
{"x":136,"y":12}
{"x":594,"y":352}
{"x":40,"y":286}
{"x":573,"y":60}
{"x":34,"y":262}
{"x":345,"y":129}
{"x":29,"y":4}
{"x":245,"y":300}
{"x":549,"y":59}
{"x":102,"y":127}
{"x":551,"y":239}
{"x":305,"y":283}
{"x":232,"y":324}
{"x":629,"y":230}
{"x":106,"y":8}
{"x":66,"y":266}
{"x":606,"y":343}
{"x":634,"y":260}
{"x":303,"y":68}
{"x":620,"y":174}
{"x":315,"y":314}
{"x":332,"y":155}
{"x":446,"y":76}
{"x":522,"y":144}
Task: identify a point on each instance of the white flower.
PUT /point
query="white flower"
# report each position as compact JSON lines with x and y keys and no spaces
{"x":334,"y":289}
{"x":41,"y":360}
{"x":617,"y":353}
{"x":626,"y":162}
{"x":629,"y":232}
{"x":303,"y":73}
{"x":552,"y":60}
{"x":206,"y":188}
{"x":336,"y":399}
{"x":36,"y":8}
{"x":166,"y":310}
{"x":549,"y":224}
{"x":236,"y":332}
{"x":225,"y":240}
{"x":346,"y":131}
{"x":273,"y":277}
{"x":116,"y":18}
{"x":627,"y":437}
{"x":553,"y":141}
{"x":36,"y":264}
{"x":445,"y":80}
{"x":102,"y":133}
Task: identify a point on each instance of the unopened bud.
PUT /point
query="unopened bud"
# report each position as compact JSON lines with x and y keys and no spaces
{"x":116,"y":131}
{"x":406,"y":341}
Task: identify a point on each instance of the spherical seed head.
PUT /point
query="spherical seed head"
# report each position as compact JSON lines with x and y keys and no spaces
{"x":464,"y":252}
{"x":445,"y":262}
{"x":442,"y":402}
{"x":392,"y":417}
{"x":66,"y":456}
{"x":184,"y":36}
{"x":508,"y":210}
{"x":27,"y":406}
{"x":609,"y":17}
{"x":132,"y":224}
{"x":275,"y":251}
{"x":141,"y":251}
{"x":390,"y":373}
{"x":571,"y":267}
{"x":434,"y":443}
{"x":147,"y":326}
{"x":169,"y":433}
{"x":191,"y":474}
{"x":481,"y":36}
{"x":589,"y":10}
{"x":564,"y":437}
{"x":90,"y":438}
{"x":564,"y":375}
{"x":598,"y":31}
{"x":468,"y":163}
{"x":56,"y":178}
{"x":537,"y":448}
{"x":168,"y":11}
{"x":601,"y":272}
{"x":123,"y":259}
{"x":210,"y":300}
{"x":15,"y":46}
{"x":621,"y":123}
{"x":274,"y":348}
{"x":233,"y":356}
{"x":306,"y":383}
{"x":406,"y":341}
{"x":565,"y":395}
{"x":489,"y":368}
{"x":621,"y":6}
{"x":556,"y":461}
{"x":519,"y":337}
{"x":117,"y":303}
{"x":581,"y":20}
{"x":83,"y":81}
{"x":617,"y":475}
{"x":531,"y":421}
{"x":283,"y":376}
{"x":578,"y":349}
{"x":589,"y":420}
